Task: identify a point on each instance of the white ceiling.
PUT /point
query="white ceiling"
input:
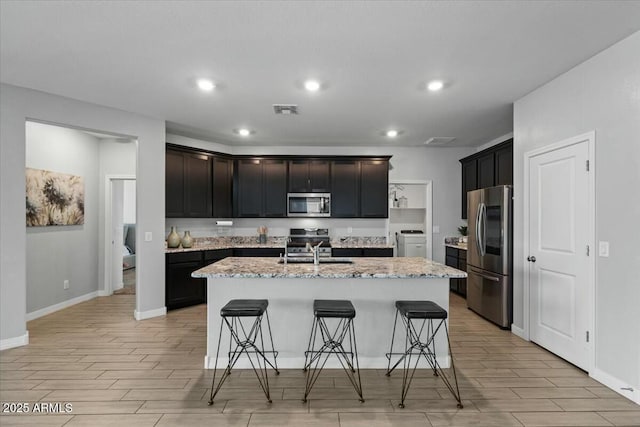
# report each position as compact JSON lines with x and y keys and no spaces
{"x":372,"y":57}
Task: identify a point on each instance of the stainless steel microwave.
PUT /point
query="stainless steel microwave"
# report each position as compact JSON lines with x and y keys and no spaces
{"x":309,"y":204}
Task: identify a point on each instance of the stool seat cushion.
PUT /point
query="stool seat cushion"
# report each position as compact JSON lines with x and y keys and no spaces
{"x":334,"y":308}
{"x":421,"y":310}
{"x":244,"y":308}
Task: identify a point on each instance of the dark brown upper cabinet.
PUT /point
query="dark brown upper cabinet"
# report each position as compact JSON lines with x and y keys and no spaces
{"x":490,"y":167}
{"x":345,"y":195}
{"x":222,"y":187}
{"x":374,"y":188}
{"x":360,"y":188}
{"x":188,"y":184}
{"x":309,"y":176}
{"x":174,"y":184}
{"x":260,"y":188}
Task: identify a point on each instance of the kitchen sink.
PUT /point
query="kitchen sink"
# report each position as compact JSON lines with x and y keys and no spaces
{"x":309,"y":260}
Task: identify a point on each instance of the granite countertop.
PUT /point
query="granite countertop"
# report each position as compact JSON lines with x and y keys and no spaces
{"x":462,"y":246}
{"x":365,"y":268}
{"x":213,"y":243}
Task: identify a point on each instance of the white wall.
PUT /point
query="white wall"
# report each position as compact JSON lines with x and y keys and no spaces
{"x":59,"y":253}
{"x":601,"y":94}
{"x":16,"y":106}
{"x":117,"y":158}
{"x":438,"y":164}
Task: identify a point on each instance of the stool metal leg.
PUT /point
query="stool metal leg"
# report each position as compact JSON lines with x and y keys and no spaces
{"x":333,"y":344}
{"x":244,"y":345}
{"x":414,"y":344}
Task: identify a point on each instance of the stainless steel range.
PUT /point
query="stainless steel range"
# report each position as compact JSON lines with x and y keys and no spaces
{"x":302,"y":239}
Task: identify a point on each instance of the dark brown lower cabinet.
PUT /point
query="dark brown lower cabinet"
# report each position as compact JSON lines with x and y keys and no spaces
{"x":182,"y":290}
{"x":457,"y":258}
{"x":258,"y":252}
{"x":362,"y":252}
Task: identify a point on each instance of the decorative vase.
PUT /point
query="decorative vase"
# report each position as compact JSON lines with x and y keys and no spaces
{"x":187,"y":240}
{"x":262,"y":238}
{"x":173,"y":240}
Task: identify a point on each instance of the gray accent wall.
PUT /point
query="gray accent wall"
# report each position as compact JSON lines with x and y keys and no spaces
{"x":601,"y":94}
{"x":59,"y":253}
{"x":17,"y":105}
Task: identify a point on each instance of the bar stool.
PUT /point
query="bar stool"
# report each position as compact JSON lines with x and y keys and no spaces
{"x":332,"y":343}
{"x":420,"y":341}
{"x":245,"y":339}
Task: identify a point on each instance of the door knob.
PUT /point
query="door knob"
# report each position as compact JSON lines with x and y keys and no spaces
{"x":531,"y":259}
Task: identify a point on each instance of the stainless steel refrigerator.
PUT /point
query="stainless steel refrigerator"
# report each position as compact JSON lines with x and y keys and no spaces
{"x":489,"y":254}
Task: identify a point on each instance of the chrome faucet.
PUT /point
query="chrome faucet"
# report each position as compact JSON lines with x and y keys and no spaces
{"x":316,"y":253}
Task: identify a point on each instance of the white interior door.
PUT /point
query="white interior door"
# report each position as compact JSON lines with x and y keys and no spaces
{"x":559,"y":264}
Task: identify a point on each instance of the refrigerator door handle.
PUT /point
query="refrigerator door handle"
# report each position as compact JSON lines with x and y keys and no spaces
{"x":484,"y":229}
{"x":483,"y":275}
{"x":479,"y":231}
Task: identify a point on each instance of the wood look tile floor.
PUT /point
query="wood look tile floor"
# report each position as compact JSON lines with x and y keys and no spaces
{"x":114,"y":370}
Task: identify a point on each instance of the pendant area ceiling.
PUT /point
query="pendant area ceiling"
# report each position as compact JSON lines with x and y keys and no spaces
{"x":372,"y":58}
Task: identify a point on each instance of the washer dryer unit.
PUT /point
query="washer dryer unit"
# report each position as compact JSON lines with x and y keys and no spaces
{"x":412,"y":243}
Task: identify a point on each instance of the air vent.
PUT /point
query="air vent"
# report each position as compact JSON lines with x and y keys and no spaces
{"x":440,"y":140}
{"x":285,"y":109}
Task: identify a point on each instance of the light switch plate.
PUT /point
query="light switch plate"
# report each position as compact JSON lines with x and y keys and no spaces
{"x":148,"y":236}
{"x":603,"y":249}
{"x":436,"y":229}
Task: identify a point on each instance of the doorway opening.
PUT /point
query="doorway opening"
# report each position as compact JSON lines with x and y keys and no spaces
{"x":121,"y":225}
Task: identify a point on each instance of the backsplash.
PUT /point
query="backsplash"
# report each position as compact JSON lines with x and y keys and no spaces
{"x":206,"y":227}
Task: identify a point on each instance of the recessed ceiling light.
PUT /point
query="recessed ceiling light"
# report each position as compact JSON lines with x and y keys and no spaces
{"x":435,"y":85}
{"x":205,"y":85}
{"x":244,"y":132}
{"x":312,"y":85}
{"x":391,"y":133}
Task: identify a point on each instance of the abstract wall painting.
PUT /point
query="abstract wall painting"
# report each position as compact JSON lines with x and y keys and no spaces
{"x":54,"y":198}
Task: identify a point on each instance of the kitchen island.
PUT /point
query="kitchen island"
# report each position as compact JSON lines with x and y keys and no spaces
{"x":372,"y":284}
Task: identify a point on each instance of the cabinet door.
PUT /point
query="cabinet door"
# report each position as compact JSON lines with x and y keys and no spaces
{"x":249,"y":189}
{"x":299,"y":176}
{"x":258,"y":252}
{"x":462,"y":283}
{"x":469,"y":182}
{"x":504,"y":166}
{"x":275,"y":188}
{"x":486,"y":171}
{"x":374,"y":189}
{"x":319,"y":178}
{"x":346,"y":252}
{"x":182,"y":290}
{"x":174,"y":184}
{"x":198,"y":185}
{"x":222,"y":187}
{"x":377,"y":252}
{"x":345,"y":200}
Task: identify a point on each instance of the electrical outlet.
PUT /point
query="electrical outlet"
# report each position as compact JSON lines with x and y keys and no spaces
{"x":436,"y":229}
{"x":65,"y":284}
{"x":148,"y":236}
{"x":349,"y":230}
{"x":603,"y":249}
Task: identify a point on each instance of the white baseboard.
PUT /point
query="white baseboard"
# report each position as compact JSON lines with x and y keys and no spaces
{"x":616,"y":385}
{"x":64,"y":304}
{"x":141,"y":315}
{"x":298,"y":362}
{"x":103,"y":293}
{"x":14,"y":342}
{"x":518,"y":332}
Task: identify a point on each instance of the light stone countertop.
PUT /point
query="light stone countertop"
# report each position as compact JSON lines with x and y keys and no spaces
{"x":365,"y":268}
